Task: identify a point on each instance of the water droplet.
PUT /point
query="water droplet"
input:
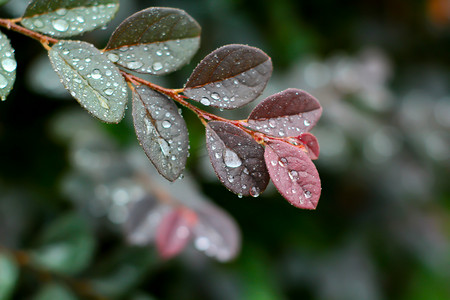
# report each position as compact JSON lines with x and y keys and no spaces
{"x":273,"y":163}
{"x":202,"y":243}
{"x":80,"y":19}
{"x":164,"y":146}
{"x":205,"y":101}
{"x":87,"y":60}
{"x":254,"y":191}
{"x":218,"y":155}
{"x":60,"y":25}
{"x":96,"y":74}
{"x":103,"y":102}
{"x":293,"y":175}
{"x":109,"y":92}
{"x":239,"y":195}
{"x":231,"y":159}
{"x":159,"y":53}
{"x":134,"y":65}
{"x":230,"y":178}
{"x":306,"y":122}
{"x":61,"y":11}
{"x":38,"y":23}
{"x":246,"y":171}
{"x":113,"y":57}
{"x":166,"y":124}
{"x":215,"y":96}
{"x":272,"y":123}
{"x":307,"y":194}
{"x":157,"y":66}
{"x":9,"y":64}
{"x":3,"y":82}
{"x":282,"y":161}
{"x":108,"y":72}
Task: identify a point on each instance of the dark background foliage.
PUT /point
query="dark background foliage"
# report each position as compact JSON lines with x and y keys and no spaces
{"x":381,"y":230}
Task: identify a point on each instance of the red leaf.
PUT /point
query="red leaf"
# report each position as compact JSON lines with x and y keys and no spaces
{"x":311,"y":144}
{"x":174,"y":231}
{"x":293,"y":173}
{"x":287,"y":113}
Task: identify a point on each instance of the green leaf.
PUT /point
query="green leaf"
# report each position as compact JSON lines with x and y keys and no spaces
{"x":55,"y":291}
{"x":64,"y":18}
{"x":67,"y":246}
{"x":91,"y":78}
{"x":161,"y":131}
{"x":8,"y":67}
{"x":8,"y":276}
{"x":156,"y":40}
{"x":1,"y":3}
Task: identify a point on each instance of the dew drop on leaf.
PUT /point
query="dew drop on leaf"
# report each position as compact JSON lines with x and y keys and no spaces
{"x":231,"y":159}
{"x":157,"y":66}
{"x":60,"y":25}
{"x":113,"y":57}
{"x":96,"y":74}
{"x":3,"y":82}
{"x":166,"y":124}
{"x":9,"y":64}
{"x":205,"y":101}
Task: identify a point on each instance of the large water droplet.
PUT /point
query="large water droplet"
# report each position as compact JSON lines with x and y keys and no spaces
{"x":3,"y":82}
{"x":215,"y":96}
{"x":9,"y":64}
{"x":60,"y":25}
{"x":293,"y":175}
{"x":109,"y":92}
{"x":61,"y":11}
{"x":306,"y":122}
{"x":282,"y":161}
{"x":254,"y":191}
{"x":205,"y":101}
{"x":307,"y":194}
{"x":113,"y":57}
{"x":231,"y":159}
{"x":38,"y":23}
{"x":96,"y":74}
{"x":157,"y":66}
{"x":134,"y":65}
{"x":166,"y":124}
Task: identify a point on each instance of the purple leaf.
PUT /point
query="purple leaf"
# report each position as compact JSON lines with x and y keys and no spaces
{"x":311,"y":144}
{"x":237,"y":159}
{"x":229,"y":77}
{"x":216,"y":233}
{"x":161,"y":131}
{"x":293,"y":173}
{"x":174,"y":232}
{"x":287,"y":113}
{"x":156,"y":40}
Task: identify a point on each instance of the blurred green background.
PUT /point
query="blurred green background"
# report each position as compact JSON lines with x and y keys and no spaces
{"x":381,"y":230}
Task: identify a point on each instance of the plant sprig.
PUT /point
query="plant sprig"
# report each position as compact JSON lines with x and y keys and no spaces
{"x":272,"y":143}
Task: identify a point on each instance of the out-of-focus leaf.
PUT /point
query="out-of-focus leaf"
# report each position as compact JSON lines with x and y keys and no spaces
{"x":3,"y":2}
{"x":293,"y":173}
{"x":311,"y":144}
{"x":141,"y":296}
{"x":9,"y":273}
{"x":55,"y":291}
{"x":66,"y":246}
{"x":175,"y":231}
{"x":118,"y":274}
{"x":287,"y":113}
{"x":66,"y":18}
{"x":91,"y":78}
{"x":237,"y":159}
{"x":156,"y":40}
{"x":230,"y":77}
{"x":145,"y":216}
{"x":8,"y":67}
{"x":216,"y":233}
{"x":161,"y":131}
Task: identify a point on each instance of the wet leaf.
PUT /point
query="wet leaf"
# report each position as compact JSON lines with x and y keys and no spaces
{"x":311,"y":144}
{"x":9,"y":273}
{"x":237,"y":159}
{"x":55,"y":291}
{"x":8,"y":67}
{"x":156,"y":40}
{"x":145,"y":216}
{"x":175,"y":231}
{"x":91,"y":78}
{"x":229,"y":77}
{"x":287,"y":113}
{"x":161,"y":131}
{"x":293,"y":173}
{"x":216,"y":233}
{"x":65,"y":18}
{"x":66,"y":246}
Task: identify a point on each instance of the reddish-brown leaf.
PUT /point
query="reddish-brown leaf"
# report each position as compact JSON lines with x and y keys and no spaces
{"x":174,"y":232}
{"x":293,"y":173}
{"x":311,"y":144}
{"x":287,"y":113}
{"x":229,"y":77}
{"x":237,"y":159}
